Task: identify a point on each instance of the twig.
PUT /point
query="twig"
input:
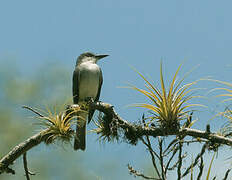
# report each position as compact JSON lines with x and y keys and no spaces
{"x":194,"y":141}
{"x":170,"y":159}
{"x":152,"y":152}
{"x":177,"y":162}
{"x":196,"y":160}
{"x":201,"y":167}
{"x":136,"y":173}
{"x":170,"y":145}
{"x":25,"y":166}
{"x":149,"y":148}
{"x":161,"y":158}
{"x":180,"y":161}
{"x":27,"y":172}
{"x":34,"y":111}
{"x":226,"y":175}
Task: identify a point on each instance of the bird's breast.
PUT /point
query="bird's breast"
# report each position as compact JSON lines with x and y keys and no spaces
{"x":89,"y":80}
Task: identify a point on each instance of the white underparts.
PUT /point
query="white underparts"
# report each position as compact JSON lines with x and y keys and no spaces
{"x":89,"y":80}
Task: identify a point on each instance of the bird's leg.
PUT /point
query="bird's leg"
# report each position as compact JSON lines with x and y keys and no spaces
{"x":88,"y":101}
{"x":85,"y":104}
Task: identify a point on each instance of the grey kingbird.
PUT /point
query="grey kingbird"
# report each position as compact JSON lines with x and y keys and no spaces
{"x":87,"y":82}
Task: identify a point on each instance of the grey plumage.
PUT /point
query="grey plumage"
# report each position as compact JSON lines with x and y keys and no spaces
{"x":87,"y":82}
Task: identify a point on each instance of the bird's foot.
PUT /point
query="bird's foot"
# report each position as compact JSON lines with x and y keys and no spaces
{"x":89,"y":100}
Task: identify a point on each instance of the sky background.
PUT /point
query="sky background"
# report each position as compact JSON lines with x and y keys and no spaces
{"x":39,"y":34}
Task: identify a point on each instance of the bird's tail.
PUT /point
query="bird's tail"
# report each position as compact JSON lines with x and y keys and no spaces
{"x":79,"y":141}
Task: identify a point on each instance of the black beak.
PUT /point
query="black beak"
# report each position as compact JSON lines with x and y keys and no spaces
{"x":101,"y":56}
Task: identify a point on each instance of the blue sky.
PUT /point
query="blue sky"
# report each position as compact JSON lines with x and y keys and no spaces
{"x":133,"y":32}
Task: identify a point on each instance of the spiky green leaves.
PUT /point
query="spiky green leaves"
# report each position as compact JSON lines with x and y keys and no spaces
{"x":227,"y":113}
{"x":59,"y":124}
{"x":107,"y":128}
{"x":169,"y":105}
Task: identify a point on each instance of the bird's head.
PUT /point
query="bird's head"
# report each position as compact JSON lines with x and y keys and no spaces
{"x":88,"y":56}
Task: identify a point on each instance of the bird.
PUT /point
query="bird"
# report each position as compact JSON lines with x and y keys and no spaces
{"x":87,"y":83}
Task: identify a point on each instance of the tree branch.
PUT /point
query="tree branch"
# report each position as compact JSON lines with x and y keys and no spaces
{"x":25,"y":166}
{"x":140,"y":131}
{"x":201,"y":167}
{"x":180,"y":161}
{"x":20,"y":149}
{"x":132,"y":130}
{"x":226,"y":175}
{"x":196,"y":160}
{"x":47,"y":135}
{"x":136,"y":173}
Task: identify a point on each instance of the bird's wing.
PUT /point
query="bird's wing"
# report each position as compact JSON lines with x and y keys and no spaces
{"x":91,"y":112}
{"x":99,"y":87}
{"x":75,"y":86}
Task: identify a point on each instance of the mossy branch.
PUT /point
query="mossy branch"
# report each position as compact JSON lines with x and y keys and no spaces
{"x":139,"y":131}
{"x":131,"y":132}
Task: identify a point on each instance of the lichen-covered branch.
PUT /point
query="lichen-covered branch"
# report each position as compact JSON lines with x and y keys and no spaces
{"x":56,"y":126}
{"x":115,"y":124}
{"x":139,"y":131}
{"x":136,"y":173}
{"x":20,"y":149}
